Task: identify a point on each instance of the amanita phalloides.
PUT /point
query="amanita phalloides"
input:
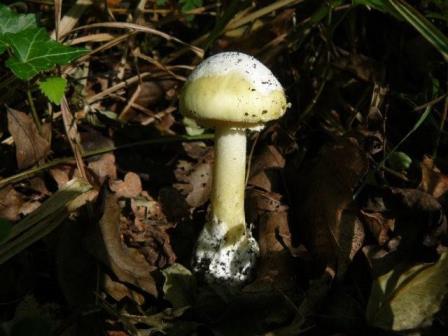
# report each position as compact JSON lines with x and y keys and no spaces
{"x":231,"y":92}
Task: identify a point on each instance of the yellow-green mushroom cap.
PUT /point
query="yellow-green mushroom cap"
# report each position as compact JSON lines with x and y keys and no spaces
{"x":234,"y":89}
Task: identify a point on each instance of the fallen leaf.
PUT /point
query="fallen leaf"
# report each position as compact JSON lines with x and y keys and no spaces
{"x":433,"y":181}
{"x":408,"y":298}
{"x":130,"y":187}
{"x":128,"y":264}
{"x":119,"y":291}
{"x":10,"y":203}
{"x":179,"y":286}
{"x":104,"y":167}
{"x":326,"y":218}
{"x":195,"y":178}
{"x":62,"y":174}
{"x":31,"y":147}
{"x":265,"y":167}
{"x":276,"y":267}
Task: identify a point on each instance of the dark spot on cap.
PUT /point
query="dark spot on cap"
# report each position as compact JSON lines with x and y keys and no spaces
{"x":264,"y":111}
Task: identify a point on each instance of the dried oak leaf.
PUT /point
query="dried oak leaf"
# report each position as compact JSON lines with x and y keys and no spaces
{"x":104,"y":167}
{"x":128,"y":264}
{"x":10,"y":203}
{"x":264,"y":168}
{"x":433,"y":181}
{"x":62,"y":174}
{"x":196,"y":179}
{"x":327,"y":223}
{"x":130,"y":187}
{"x":148,"y":232}
{"x":30,"y":145}
{"x":265,"y":209}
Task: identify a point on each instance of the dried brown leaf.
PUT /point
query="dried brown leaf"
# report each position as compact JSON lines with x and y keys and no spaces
{"x":10,"y":203}
{"x":128,"y":264}
{"x":433,"y":181}
{"x":62,"y":174}
{"x":130,"y":187}
{"x":196,"y":178}
{"x":31,"y":147}
{"x":329,"y":227}
{"x":263,"y":168}
{"x":104,"y":167}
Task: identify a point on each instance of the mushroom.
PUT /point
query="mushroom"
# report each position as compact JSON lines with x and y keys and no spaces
{"x":231,"y":92}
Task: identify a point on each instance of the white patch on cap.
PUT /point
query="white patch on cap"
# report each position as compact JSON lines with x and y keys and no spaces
{"x":248,"y":66}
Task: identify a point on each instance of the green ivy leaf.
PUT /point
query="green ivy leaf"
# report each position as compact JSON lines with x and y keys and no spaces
{"x":11,"y":22}
{"x":53,"y":88}
{"x":34,"y":51}
{"x":188,"y":5}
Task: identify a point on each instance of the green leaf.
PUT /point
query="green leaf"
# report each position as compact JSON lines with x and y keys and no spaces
{"x":5,"y":229}
{"x":399,"y":161}
{"x":34,"y":51}
{"x":406,"y":299}
{"x":11,"y":22}
{"x":179,"y":286}
{"x":53,"y":88}
{"x":188,"y":5}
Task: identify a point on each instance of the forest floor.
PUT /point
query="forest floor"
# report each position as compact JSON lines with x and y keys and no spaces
{"x":104,"y":186}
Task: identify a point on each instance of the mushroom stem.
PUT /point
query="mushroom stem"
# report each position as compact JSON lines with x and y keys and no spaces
{"x":229,"y":181}
{"x":226,"y":251}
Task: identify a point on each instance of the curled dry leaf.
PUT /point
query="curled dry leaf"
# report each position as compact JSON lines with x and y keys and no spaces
{"x":327,"y":221}
{"x":31,"y":146}
{"x":104,"y":167}
{"x":265,"y":209}
{"x":128,"y":264}
{"x":131,"y":186}
{"x":148,"y":232}
{"x":196,"y":179}
{"x":433,"y":181}
{"x":10,"y":203}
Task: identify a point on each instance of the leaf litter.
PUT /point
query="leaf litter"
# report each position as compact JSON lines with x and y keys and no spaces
{"x":343,"y":196}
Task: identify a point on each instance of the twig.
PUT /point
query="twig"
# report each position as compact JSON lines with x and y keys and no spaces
{"x":33,"y":109}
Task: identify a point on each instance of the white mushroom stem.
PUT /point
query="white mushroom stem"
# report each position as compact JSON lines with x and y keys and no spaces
{"x":226,"y":251}
{"x":229,"y":179}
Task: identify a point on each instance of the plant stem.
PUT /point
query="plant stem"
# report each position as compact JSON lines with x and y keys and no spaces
{"x":33,"y":109}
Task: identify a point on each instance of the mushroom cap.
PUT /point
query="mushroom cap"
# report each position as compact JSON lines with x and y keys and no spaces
{"x":235,"y":89}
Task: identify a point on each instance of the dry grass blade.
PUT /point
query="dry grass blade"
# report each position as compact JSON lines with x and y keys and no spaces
{"x":236,"y":23}
{"x":125,"y":25}
{"x":118,"y":86}
{"x":159,"y":65}
{"x":101,"y":37}
{"x":70,"y":19}
{"x":57,"y":17}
